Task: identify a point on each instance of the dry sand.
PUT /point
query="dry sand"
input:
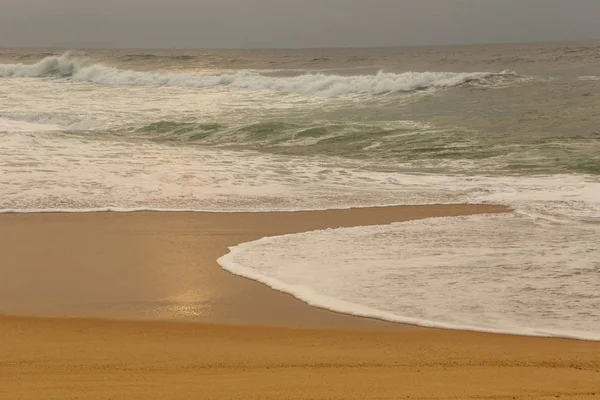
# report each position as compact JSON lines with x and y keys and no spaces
{"x":240,"y":340}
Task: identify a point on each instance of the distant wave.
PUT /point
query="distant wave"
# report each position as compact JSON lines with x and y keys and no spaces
{"x":77,"y":69}
{"x":589,"y":78}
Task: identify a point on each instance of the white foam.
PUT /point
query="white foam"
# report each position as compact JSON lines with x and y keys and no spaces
{"x":495,"y":273}
{"x":57,"y":172}
{"x":76,"y":69}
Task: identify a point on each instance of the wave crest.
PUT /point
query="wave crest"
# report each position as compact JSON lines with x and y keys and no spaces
{"x":76,"y":69}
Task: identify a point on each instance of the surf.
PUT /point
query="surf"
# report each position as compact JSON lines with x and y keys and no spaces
{"x":80,"y":69}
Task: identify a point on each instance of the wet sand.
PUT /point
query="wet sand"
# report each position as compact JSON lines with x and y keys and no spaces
{"x":229,"y":337}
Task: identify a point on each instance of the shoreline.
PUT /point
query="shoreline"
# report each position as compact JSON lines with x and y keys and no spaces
{"x":135,"y":306}
{"x":497,"y":208}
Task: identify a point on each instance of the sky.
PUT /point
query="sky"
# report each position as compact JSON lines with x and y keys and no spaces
{"x":287,"y":23}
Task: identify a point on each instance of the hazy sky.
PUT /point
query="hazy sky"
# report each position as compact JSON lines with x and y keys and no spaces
{"x":292,"y":23}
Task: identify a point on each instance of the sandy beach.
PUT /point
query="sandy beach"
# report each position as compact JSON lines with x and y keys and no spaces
{"x":134,"y":306}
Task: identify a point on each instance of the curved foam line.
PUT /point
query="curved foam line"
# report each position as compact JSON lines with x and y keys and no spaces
{"x":314,"y":299}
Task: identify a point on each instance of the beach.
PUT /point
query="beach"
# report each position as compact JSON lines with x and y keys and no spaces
{"x":350,"y":223}
{"x":134,"y":306}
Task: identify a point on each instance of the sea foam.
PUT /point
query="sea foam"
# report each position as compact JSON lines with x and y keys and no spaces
{"x":489,"y":273}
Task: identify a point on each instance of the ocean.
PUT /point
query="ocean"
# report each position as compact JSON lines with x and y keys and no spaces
{"x":265,"y":130}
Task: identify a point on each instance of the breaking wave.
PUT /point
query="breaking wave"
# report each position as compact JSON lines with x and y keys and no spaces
{"x":77,"y":69}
